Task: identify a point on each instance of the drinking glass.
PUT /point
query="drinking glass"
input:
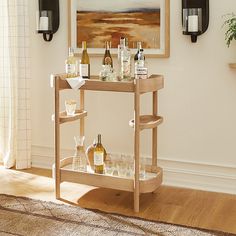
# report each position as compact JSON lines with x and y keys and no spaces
{"x":108,"y":167}
{"x":70,"y":107}
{"x":130,"y":166}
{"x":115,"y":169}
{"x":122,"y":168}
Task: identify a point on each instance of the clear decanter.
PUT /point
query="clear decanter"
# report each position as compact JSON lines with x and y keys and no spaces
{"x":79,"y":159}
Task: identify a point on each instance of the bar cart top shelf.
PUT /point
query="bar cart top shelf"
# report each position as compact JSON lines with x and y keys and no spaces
{"x":153,"y":83}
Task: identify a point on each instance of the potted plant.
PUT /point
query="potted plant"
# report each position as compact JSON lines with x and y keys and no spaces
{"x":230,"y":23}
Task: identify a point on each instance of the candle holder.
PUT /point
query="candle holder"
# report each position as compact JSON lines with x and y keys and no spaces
{"x":195,"y":17}
{"x":47,"y":18}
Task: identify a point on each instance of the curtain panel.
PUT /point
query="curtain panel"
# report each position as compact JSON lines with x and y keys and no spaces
{"x":15,"y":122}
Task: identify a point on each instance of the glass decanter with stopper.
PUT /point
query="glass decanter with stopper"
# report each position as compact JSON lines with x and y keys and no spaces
{"x":120,"y":49}
{"x":126,"y":62}
{"x":79,"y":158}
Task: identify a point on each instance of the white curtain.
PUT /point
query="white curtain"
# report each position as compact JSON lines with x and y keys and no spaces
{"x":15,"y":123}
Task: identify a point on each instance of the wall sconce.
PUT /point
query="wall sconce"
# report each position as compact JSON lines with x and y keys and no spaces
{"x":195,"y":17}
{"x":48,"y":18}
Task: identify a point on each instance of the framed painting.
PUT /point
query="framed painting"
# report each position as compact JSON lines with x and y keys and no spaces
{"x":98,"y":21}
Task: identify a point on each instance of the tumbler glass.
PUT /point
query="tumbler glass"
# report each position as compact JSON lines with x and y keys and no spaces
{"x":70,"y":107}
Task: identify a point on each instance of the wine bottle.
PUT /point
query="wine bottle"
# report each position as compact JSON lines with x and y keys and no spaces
{"x":99,"y":157}
{"x":139,"y":46}
{"x":71,"y":64}
{"x":107,"y":59}
{"x":141,"y":58}
{"x":84,"y":63}
{"x":140,"y":62}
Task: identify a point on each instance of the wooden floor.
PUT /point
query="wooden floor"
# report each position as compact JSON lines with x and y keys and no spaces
{"x":174,"y":205}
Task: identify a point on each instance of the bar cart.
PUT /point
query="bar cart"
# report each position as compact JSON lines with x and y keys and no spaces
{"x":136,"y":185}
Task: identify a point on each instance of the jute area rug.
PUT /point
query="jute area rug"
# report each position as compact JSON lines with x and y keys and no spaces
{"x":24,"y":216}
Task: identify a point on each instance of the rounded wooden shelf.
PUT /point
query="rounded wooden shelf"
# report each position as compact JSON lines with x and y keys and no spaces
{"x":78,"y":115}
{"x":148,"y":121}
{"x":152,"y":181}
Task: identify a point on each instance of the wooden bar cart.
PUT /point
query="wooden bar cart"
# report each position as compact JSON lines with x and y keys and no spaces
{"x":136,"y":185}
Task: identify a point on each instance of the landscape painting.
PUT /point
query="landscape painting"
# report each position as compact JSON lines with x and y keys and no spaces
{"x":98,"y":21}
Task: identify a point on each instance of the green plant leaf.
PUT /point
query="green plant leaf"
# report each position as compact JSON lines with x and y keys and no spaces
{"x":230,"y":24}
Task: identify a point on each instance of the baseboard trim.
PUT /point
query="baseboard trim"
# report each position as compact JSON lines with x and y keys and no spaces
{"x":177,"y":173}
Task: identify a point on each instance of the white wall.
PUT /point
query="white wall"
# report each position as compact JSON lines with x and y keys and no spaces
{"x":198,"y":104}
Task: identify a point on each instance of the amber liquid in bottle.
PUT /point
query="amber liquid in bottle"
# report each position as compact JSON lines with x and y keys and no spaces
{"x":107,"y":59}
{"x":99,"y":157}
{"x":85,"y":62}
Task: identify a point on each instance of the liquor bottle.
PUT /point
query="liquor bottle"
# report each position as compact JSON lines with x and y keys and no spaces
{"x":126,"y":62}
{"x":79,"y":162}
{"x":139,"y":46}
{"x":71,"y":64}
{"x":99,"y":157}
{"x":120,"y":49}
{"x":84,"y":63}
{"x":107,"y":59}
{"x":140,"y":62}
{"x":141,"y":58}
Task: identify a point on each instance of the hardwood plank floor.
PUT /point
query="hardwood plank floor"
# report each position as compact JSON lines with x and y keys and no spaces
{"x":209,"y":210}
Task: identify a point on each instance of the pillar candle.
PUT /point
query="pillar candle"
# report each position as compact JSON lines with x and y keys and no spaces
{"x":43,"y":23}
{"x":193,"y":23}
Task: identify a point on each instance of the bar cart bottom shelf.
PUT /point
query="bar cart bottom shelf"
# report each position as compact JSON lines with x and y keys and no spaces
{"x":151,"y":182}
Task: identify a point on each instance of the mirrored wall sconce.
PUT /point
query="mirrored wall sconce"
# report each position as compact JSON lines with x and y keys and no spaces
{"x":48,"y":18}
{"x":195,"y":17}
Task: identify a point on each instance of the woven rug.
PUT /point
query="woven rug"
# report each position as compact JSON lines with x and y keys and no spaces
{"x":24,"y":216}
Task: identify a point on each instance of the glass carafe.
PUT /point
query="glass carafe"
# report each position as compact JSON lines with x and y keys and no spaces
{"x":79,"y":159}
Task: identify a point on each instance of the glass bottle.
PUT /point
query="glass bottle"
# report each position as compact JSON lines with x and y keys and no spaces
{"x":140,"y":62}
{"x":107,"y":59}
{"x":71,"y":64}
{"x":139,"y":46}
{"x":79,"y":159}
{"x":99,"y":156}
{"x":85,"y":62}
{"x":120,"y":49}
{"x":126,"y":62}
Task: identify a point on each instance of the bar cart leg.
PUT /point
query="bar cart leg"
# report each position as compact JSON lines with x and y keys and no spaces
{"x":82,"y":108}
{"x":154,"y":132}
{"x":57,"y":140}
{"x":136,"y":146}
{"x":136,"y":180}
